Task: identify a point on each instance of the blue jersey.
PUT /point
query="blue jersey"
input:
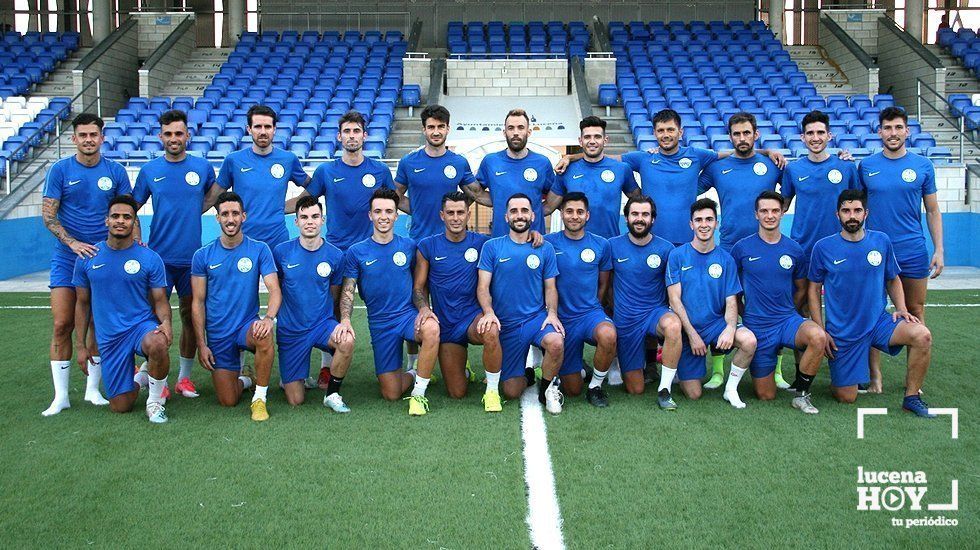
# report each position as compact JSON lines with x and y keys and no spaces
{"x":84,"y":193}
{"x":233,"y":283}
{"x":428,"y":179}
{"x":816,"y":186}
{"x":503,"y":176}
{"x":706,"y":280}
{"x":854,"y":275}
{"x":895,"y":191}
{"x":261,"y":181}
{"x":579,"y":262}
{"x":305,"y":277}
{"x":519,"y":272}
{"x":119,"y":282}
{"x":178,"y":190}
{"x":768,"y":273}
{"x":673,"y":180}
{"x":738,"y":182}
{"x":348,"y":191}
{"x":384,"y":276}
{"x":639,"y":276}
{"x":453,"y":275}
{"x":604,"y":182}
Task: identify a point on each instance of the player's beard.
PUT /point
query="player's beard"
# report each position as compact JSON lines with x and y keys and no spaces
{"x":352,"y":147}
{"x":640,"y":233}
{"x":517,"y":144}
{"x":513,"y":224}
{"x":437,"y":142}
{"x":598,"y":153}
{"x":852,"y":226}
{"x":121,"y":233}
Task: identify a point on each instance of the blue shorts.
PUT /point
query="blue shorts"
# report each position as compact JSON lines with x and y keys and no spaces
{"x":179,"y":277}
{"x":913,"y":259}
{"x":516,"y":340}
{"x":117,"y":358}
{"x":770,"y":340}
{"x":386,"y":341}
{"x":578,"y":332}
{"x":631,"y":339}
{"x":458,"y":333}
{"x":62,"y":268}
{"x":693,"y":367}
{"x":227,"y":351}
{"x":850,"y":366}
{"x":295,"y":349}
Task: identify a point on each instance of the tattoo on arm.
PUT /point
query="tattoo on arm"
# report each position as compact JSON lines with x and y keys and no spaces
{"x":347,"y":298}
{"x":49,"y":213}
{"x":419,"y":298}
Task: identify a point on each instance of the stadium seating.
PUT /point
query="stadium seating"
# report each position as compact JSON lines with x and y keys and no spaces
{"x":964,"y":45}
{"x":25,"y":122}
{"x":26,"y":60}
{"x":534,"y":39}
{"x":968,"y":107}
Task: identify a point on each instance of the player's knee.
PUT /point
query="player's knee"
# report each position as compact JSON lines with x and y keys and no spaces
{"x":491,"y":336}
{"x":693,"y":393}
{"x":121,"y":404}
{"x":817,"y":338}
{"x":63,"y":328}
{"x":429,"y":332}
{"x":512,"y":392}
{"x":456,"y":391}
{"x":390,"y":394}
{"x":765,"y":394}
{"x":922,"y":337}
{"x":345,"y":348}
{"x":264,"y":344}
{"x":634,"y":387}
{"x":156,"y":345}
{"x":227,"y":400}
{"x":606,"y":337}
{"x":553,"y":345}
{"x":672,"y":327}
{"x":295,"y":399}
{"x":748,"y":342}
{"x":847,"y":397}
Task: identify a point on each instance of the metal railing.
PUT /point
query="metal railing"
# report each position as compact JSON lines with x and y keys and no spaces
{"x":488,"y":56}
{"x":919,"y":100}
{"x":324,"y":21}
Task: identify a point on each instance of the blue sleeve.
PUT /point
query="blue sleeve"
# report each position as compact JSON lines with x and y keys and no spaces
{"x":605,"y":257}
{"x":705,"y":156}
{"x":634,"y":159}
{"x":737,"y":255}
{"x":558,"y":187}
{"x":337,"y":275}
{"x":853,"y":181}
{"x":298,"y":175}
{"x":464,"y":166}
{"x":929,"y":180}
{"x":209,"y":178}
{"x":786,"y":188}
{"x":121,"y":178}
{"x":197,"y":264}
{"x":224,"y":174}
{"x":481,"y":173}
{"x":732,"y":284}
{"x":549,"y":178}
{"x":351,"y":266}
{"x":385,"y":177}
{"x":423,"y":248}
{"x":158,"y":274}
{"x":674,"y":267}
{"x":277,"y":253}
{"x":629,"y":181}
{"x":79,"y":277}
{"x":317,"y":187}
{"x":54,"y":182}
{"x":401,"y":176}
{"x":141,"y":191}
{"x":267,"y":265}
{"x":550,"y":262}
{"x":412,"y":249}
{"x":891,"y":263}
{"x":817,"y":270}
{"x":799,"y":264}
{"x":860,"y":180}
{"x":705,"y":181}
{"x":487,"y":257}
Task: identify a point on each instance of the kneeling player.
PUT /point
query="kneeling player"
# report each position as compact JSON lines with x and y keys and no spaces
{"x":225,"y":281}
{"x":703,"y":288}
{"x":772,"y":269}
{"x":113,"y":285}
{"x":310,"y":275}
{"x":856,"y":268}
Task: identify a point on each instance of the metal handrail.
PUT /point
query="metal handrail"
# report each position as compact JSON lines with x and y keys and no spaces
{"x":962,"y":119}
{"x":406,"y":27}
{"x":163,"y":49}
{"x":856,"y":50}
{"x":916,"y":46}
{"x":498,"y":56}
{"x":93,"y":56}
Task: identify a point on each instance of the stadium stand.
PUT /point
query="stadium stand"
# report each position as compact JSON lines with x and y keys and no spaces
{"x":25,"y":60}
{"x":534,"y":39}
{"x":964,"y":45}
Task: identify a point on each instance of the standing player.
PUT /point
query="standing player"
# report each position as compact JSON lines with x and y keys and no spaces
{"x":640,"y":298}
{"x":856,"y":268}
{"x":76,"y":198}
{"x":702,"y":283}
{"x":518,"y":281}
{"x":446,"y":268}
{"x":772,"y":269}
{"x":123,"y":286}
{"x":381,"y":269}
{"x":178,"y":183}
{"x":310,"y":275}
{"x":584,"y":266}
{"x":225,"y":280}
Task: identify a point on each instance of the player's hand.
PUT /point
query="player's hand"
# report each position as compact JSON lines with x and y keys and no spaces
{"x":937,"y":264}
{"x":726,"y":339}
{"x":83,"y":250}
{"x":697,"y":345}
{"x":424,"y":315}
{"x":486,"y":322}
{"x":536,"y":238}
{"x":262,"y":328}
{"x":653,"y":150}
{"x":830,"y":347}
{"x":205,"y":357}
{"x":844,"y":154}
{"x":905,"y":316}
{"x":83,"y":356}
{"x":552,"y":320}
{"x":563,"y":164}
{"x":777,"y":158}
{"x":166,"y":331}
{"x":343,"y":333}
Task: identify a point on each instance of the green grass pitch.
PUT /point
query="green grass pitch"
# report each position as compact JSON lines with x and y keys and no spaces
{"x":630,"y":476}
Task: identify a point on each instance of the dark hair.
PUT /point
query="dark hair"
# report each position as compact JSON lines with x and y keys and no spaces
{"x":769,"y":195}
{"x":261,"y":110}
{"x":455,"y":196}
{"x":437,"y":112}
{"x":739,"y":118}
{"x":575,"y":196}
{"x":518,"y":112}
{"x":640,"y":199}
{"x":891,"y":113}
{"x":352,"y":116}
{"x":128,"y":200}
{"x":592,"y":121}
{"x":307,"y":201}
{"x":228,"y":196}
{"x":815,"y":116}
{"x":852,"y":195}
{"x":384,"y":194}
{"x":701,"y":204}
{"x":517,"y":196}
{"x":667,"y":115}
{"x":87,"y":118}
{"x":174,"y":115}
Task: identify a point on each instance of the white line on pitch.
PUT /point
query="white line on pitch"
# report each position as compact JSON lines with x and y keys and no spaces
{"x":48,"y":307}
{"x":543,"y":514}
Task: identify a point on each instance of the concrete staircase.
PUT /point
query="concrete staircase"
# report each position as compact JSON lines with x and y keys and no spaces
{"x":959,"y":80}
{"x":59,"y":81}
{"x":197,"y":72}
{"x":406,"y":133}
{"x":617,"y":130}
{"x":819,"y":71}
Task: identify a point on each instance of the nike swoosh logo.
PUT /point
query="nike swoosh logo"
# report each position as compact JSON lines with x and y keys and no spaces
{"x":685,"y":268}
{"x":439,"y":258}
{"x":417,"y":170}
{"x":215,"y":266}
{"x":577,"y":176}
{"x":655,"y":161}
{"x":874,"y":173}
{"x":68,"y":367}
{"x":369,"y":262}
{"x":754,"y":259}
{"x":335,"y":180}
{"x":502,"y":260}
{"x":621,"y":260}
{"x":727,"y":171}
{"x":97,"y":266}
{"x":290,"y":266}
{"x":559,"y":252}
{"x":801,"y":178}
{"x":70,"y":183}
{"x":246,"y":169}
{"x":836,"y":262}
{"x":499,"y":173}
{"x":161,"y":178}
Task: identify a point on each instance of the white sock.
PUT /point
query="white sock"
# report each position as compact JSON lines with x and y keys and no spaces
{"x":536,"y":357}
{"x":598,"y":377}
{"x":666,"y":377}
{"x":326,"y":358}
{"x":186,"y":363}
{"x":92,"y":393}
{"x":731,"y":387}
{"x":142,"y":377}
{"x":413,"y":359}
{"x":421,"y":384}
{"x":60,"y":372}
{"x":260,"y":392}
{"x":241,"y":359}
{"x":246,"y":382}
{"x":493,"y":381}
{"x":156,"y":390}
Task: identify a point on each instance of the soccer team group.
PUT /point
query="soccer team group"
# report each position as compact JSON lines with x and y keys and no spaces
{"x":661,"y":293}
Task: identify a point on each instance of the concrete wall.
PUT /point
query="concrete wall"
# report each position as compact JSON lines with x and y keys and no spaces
{"x":417,"y":70}
{"x":864,"y":79}
{"x":861,"y":25}
{"x":154,"y":28}
{"x":599,"y":70}
{"x":154,"y":79}
{"x":901,"y":66}
{"x":116,"y":69}
{"x":535,"y":77}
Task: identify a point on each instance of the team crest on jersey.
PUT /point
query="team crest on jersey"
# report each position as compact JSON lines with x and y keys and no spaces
{"x":471,"y":255}
{"x":874,"y":258}
{"x":588,"y":255}
{"x":785,"y":261}
{"x":835,"y":177}
{"x":909,"y":175}
{"x":714,"y":270}
{"x":245,"y":265}
{"x":399,"y":258}
{"x":323,"y":269}
{"x":531,"y":174}
{"x":192,"y":178}
{"x":684,"y":163}
{"x":105,"y":183}
{"x":654,"y":261}
{"x":607,"y":176}
{"x":760,"y":168}
{"x":132,"y":267}
{"x":368,"y":180}
{"x":277,"y":170}
{"x":533,"y":261}
{"x":449,"y":171}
